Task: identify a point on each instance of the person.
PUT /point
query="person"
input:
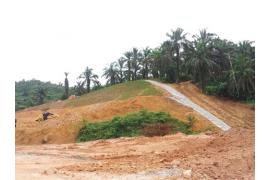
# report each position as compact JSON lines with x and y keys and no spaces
{"x":46,"y":114}
{"x":15,"y":122}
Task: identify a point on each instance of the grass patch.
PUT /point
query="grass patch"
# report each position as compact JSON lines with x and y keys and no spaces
{"x":134,"y":124}
{"x":116,"y":92}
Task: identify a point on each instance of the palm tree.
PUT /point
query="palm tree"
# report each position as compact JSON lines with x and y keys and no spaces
{"x":200,"y":61}
{"x":111,"y":74}
{"x":66,"y":86}
{"x":243,"y":74}
{"x":79,"y":88}
{"x":135,"y":63}
{"x":88,"y":76}
{"x":127,"y":57}
{"x":97,"y":85}
{"x":120,"y":66}
{"x":145,"y":62}
{"x":155,"y":62}
{"x":177,"y":38}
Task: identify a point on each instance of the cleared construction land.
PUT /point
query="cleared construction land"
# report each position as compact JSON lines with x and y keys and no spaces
{"x":47,"y":150}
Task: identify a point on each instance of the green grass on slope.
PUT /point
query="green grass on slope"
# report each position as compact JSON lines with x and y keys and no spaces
{"x":120,"y":91}
{"x":134,"y":124}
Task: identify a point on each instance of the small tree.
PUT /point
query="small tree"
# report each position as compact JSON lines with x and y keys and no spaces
{"x":79,"y":88}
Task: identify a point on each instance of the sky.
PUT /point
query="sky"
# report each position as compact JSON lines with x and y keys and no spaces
{"x":47,"y":38}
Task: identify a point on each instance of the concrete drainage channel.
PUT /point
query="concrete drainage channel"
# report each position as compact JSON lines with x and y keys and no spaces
{"x":182,"y":99}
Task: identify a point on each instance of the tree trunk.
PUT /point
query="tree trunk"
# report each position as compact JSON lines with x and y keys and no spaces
{"x":177,"y":65}
{"x":146,"y":71}
{"x":128,"y":71}
{"x":88,"y":85}
{"x":236,"y":86}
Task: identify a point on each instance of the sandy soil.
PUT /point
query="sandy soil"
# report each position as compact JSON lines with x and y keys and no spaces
{"x":227,"y":155}
{"x":47,"y":150}
{"x":234,"y":113}
{"x":64,"y":129}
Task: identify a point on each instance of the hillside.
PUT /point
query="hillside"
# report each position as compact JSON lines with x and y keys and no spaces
{"x":211,"y":154}
{"x":121,"y":91}
{"x":100,"y":105}
{"x":119,"y":100}
{"x":25,"y":92}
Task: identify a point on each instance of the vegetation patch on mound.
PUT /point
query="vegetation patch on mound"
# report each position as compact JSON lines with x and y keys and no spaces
{"x":134,"y":124}
{"x":116,"y":92}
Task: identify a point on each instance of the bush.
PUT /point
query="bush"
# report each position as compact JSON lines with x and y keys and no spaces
{"x":134,"y":124}
{"x":191,"y":121}
{"x":212,"y":90}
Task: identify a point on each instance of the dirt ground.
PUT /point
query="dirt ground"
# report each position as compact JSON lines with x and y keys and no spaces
{"x":64,"y":129}
{"x":233,"y":113}
{"x":47,"y":150}
{"x":227,"y":155}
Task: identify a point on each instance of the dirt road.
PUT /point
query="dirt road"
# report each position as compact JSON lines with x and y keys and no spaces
{"x":180,"y":98}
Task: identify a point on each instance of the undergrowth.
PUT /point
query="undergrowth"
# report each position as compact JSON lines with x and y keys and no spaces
{"x":134,"y":124}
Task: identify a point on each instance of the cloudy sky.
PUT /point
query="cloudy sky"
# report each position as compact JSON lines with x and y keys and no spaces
{"x":48,"y":38}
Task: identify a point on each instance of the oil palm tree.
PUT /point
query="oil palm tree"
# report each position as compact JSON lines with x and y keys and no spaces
{"x":135,"y":63}
{"x":120,"y":66}
{"x":127,"y":56}
{"x":88,"y":76}
{"x":145,"y":62}
{"x":200,"y":60}
{"x":66,"y":86}
{"x":79,"y":88}
{"x":244,"y":73}
{"x":111,"y":74}
{"x":177,"y":38}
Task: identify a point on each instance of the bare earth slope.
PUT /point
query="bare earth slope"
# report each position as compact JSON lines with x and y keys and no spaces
{"x":233,"y":113}
{"x":218,"y":155}
{"x":182,"y":99}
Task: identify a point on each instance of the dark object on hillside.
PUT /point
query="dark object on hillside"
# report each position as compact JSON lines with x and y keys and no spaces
{"x":15,"y":122}
{"x":46,"y":114}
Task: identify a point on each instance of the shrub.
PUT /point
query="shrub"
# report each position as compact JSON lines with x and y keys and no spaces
{"x":212,"y":90}
{"x":132,"y":125}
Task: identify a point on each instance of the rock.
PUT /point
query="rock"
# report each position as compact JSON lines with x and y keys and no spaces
{"x":187,"y":173}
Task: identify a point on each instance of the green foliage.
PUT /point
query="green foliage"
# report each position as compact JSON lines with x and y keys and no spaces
{"x":30,"y":93}
{"x":88,"y":76}
{"x":220,"y":67}
{"x":191,"y":121}
{"x":130,"y":125}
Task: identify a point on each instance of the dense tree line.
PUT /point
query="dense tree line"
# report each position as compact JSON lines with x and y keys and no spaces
{"x":34,"y":92}
{"x":216,"y":65}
